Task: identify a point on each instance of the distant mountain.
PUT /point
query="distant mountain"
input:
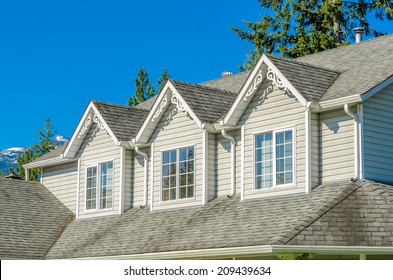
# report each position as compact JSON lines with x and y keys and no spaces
{"x":8,"y":156}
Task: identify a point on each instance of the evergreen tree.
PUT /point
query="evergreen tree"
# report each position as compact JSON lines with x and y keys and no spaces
{"x":143,"y":88}
{"x":45,"y":145}
{"x":296,"y":28}
{"x":165,"y":76}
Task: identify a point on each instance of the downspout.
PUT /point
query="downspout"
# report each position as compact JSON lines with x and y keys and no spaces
{"x":355,"y":117}
{"x":145,"y":161}
{"x":233,"y":150}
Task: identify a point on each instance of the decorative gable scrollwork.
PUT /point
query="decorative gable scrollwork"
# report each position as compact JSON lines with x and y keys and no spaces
{"x":100,"y":125}
{"x":161,"y":108}
{"x":175,"y":100}
{"x":276,"y":81}
{"x":254,"y":85}
{"x":85,"y":126}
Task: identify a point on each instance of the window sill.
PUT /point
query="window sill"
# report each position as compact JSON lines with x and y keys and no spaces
{"x":177,"y":204}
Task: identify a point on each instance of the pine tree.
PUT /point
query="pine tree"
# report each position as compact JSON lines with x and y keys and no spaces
{"x":45,"y":145}
{"x":143,"y":88}
{"x":296,"y":28}
{"x":165,"y":76}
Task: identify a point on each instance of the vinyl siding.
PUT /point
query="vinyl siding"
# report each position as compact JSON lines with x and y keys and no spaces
{"x":337,"y":145}
{"x":378,"y":136}
{"x":278,"y":111}
{"x":61,"y":180}
{"x":315,"y":151}
{"x":138,"y":178}
{"x":224,"y":163}
{"x":212,"y":158}
{"x":173,"y":132}
{"x":128,"y":183}
{"x":94,"y":150}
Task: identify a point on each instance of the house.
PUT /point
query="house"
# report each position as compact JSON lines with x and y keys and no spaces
{"x":293,"y":159}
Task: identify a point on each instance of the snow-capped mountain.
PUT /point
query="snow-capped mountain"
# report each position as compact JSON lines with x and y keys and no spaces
{"x":8,"y":156}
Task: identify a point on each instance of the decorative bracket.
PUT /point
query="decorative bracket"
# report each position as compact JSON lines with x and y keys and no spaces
{"x":99,"y":123}
{"x":158,"y":112}
{"x":274,"y":81}
{"x":254,"y":85}
{"x":85,"y":126}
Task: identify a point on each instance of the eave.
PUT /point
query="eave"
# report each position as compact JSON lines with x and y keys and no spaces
{"x":49,"y":162}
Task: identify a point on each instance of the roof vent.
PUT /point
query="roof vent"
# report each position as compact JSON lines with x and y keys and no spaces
{"x":13,"y":176}
{"x":226,"y":73}
{"x":359,"y":31}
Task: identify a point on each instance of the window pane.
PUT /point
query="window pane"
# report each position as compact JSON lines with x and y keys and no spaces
{"x":264,"y":161}
{"x":190,"y":191}
{"x":165,"y":157}
{"x":165,"y":183}
{"x":190,"y":179}
{"x":280,"y":138}
{"x":190,"y":165}
{"x":106,"y":185}
{"x":165,"y":195}
{"x":280,"y":165}
{"x":190,"y":153}
{"x":183,"y":180}
{"x":258,"y":168}
{"x":173,"y":156}
{"x":183,"y":154}
{"x":172,"y":169}
{"x":172,"y":182}
{"x":183,"y":192}
{"x":165,"y":170}
{"x":258,"y":182}
{"x":280,"y":178}
{"x":91,"y":187}
{"x":258,"y":141}
{"x":288,"y":178}
{"x":258,"y":156}
{"x":280,"y":151}
{"x":172,"y":194}
{"x":182,"y":167}
{"x":288,"y":136}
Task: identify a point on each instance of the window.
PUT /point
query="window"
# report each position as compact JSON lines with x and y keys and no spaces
{"x":177,"y":177}
{"x":274,"y":159}
{"x":99,"y":186}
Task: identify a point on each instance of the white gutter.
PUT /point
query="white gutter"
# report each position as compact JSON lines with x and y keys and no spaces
{"x":48,"y":162}
{"x":145,"y":162}
{"x":233,"y":163}
{"x":354,"y":116}
{"x":341,"y":250}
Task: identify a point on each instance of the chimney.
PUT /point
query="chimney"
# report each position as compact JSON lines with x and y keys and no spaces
{"x":359,"y":31}
{"x":226,"y":73}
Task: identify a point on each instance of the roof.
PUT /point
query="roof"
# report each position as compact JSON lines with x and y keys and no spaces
{"x":53,"y":154}
{"x":123,"y":121}
{"x":232,"y":82}
{"x":311,"y":81}
{"x":31,"y":219}
{"x":208,"y":104}
{"x":228,"y":222}
{"x":363,"y":66}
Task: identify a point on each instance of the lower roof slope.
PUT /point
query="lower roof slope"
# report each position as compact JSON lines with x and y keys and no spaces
{"x":222,"y":223}
{"x":31,"y":219}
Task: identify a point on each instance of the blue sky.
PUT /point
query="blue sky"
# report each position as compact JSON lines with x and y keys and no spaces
{"x":57,"y":55}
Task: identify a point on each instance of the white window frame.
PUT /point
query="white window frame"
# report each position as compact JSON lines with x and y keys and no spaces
{"x":177,"y":174}
{"x":98,"y":186}
{"x":274,"y":184}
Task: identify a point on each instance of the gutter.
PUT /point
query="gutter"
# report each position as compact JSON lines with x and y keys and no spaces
{"x":233,"y":151}
{"x":49,"y":162}
{"x":145,"y":162}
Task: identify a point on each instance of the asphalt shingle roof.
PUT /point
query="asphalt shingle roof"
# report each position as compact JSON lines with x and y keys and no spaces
{"x":209,"y":104}
{"x":227,"y":222}
{"x":124,"y":121}
{"x":363,"y":66}
{"x":31,"y":219}
{"x":232,"y":82}
{"x":311,"y":81}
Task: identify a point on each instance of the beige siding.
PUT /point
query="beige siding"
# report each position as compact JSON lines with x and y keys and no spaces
{"x":128,"y":183}
{"x":337,"y":145}
{"x":315,"y":151}
{"x":224,"y":163}
{"x":378,"y":136}
{"x":179,"y":131}
{"x":278,"y":111}
{"x":212,"y":158}
{"x":61,"y":180}
{"x":138,"y":178}
{"x":94,"y":150}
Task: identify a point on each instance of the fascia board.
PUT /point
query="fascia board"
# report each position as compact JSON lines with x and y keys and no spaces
{"x":377,"y":88}
{"x":152,"y":112}
{"x":90,"y":107}
{"x":49,"y":162}
{"x":202,"y":253}
{"x":78,"y":128}
{"x":339,"y":102}
{"x":250,"y":78}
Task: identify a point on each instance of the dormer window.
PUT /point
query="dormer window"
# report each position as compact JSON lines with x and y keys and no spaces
{"x":274,"y":159}
{"x":178,"y":174}
{"x":99,"y":186}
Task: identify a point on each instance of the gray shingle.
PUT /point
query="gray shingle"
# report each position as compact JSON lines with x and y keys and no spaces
{"x":363,"y":66}
{"x":209,"y":104}
{"x":231,"y":83}
{"x":124,"y":121}
{"x":31,"y":219}
{"x":223,"y":222}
